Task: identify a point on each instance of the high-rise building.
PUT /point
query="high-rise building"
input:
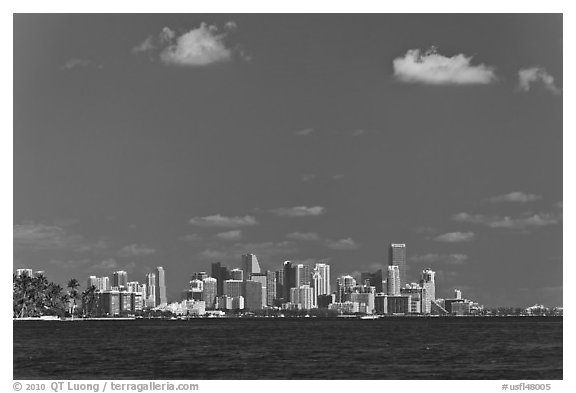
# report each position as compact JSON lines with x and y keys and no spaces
{"x":321,"y":279}
{"x":280,"y":283}
{"x":270,"y":288}
{"x":289,"y":281}
{"x":101,"y":283}
{"x":429,"y":287}
{"x":221,"y":274}
{"x":393,"y":281}
{"x":301,"y":275}
{"x":237,"y":274}
{"x":457,"y":294}
{"x":263,"y":280}
{"x":397,"y":257}
{"x":210,"y":292}
{"x":373,"y":279}
{"x":250,"y":265}
{"x":133,"y":286}
{"x":24,"y":272}
{"x":150,"y":299}
{"x":344,"y":285}
{"x":120,"y":279}
{"x":252,"y":295}
{"x":233,"y":288}
{"x":92,"y":282}
{"x":160,"y":286}
{"x":196,"y":290}
{"x":199,"y":276}
{"x":302,"y":296}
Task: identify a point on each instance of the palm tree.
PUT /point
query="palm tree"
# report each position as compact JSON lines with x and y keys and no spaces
{"x":89,"y":301}
{"x":73,"y":284}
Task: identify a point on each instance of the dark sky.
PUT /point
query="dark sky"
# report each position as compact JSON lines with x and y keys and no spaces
{"x":181,"y":140}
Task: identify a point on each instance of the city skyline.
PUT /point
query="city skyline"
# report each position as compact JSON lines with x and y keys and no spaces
{"x":305,"y":138}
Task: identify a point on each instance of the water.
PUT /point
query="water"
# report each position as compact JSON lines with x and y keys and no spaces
{"x":311,"y":348}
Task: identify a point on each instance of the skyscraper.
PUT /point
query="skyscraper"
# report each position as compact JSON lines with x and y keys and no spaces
{"x":288,"y":280}
{"x":262,"y":279}
{"x":237,"y":274}
{"x":221,"y":274}
{"x":397,"y":257}
{"x":303,"y":296}
{"x":301,"y":275}
{"x":150,"y":298}
{"x":92,"y":282}
{"x":252,"y":295}
{"x":210,"y":291}
{"x":160,"y":286}
{"x":120,"y":279}
{"x":233,"y":288}
{"x":250,"y":265}
{"x":322,"y":272}
{"x":280,"y":284}
{"x":429,"y":287}
{"x":199,"y":276}
{"x":393,"y":281}
{"x":270,"y":288}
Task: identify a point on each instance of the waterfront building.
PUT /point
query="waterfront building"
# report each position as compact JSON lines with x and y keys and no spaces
{"x":417,"y":295}
{"x":109,"y":302}
{"x":262,"y":279}
{"x":301,"y":275}
{"x":250,"y":265}
{"x":381,"y":303}
{"x":160,"y":286}
{"x":399,"y":304}
{"x":120,"y":279}
{"x":230,"y":302}
{"x":150,"y":299}
{"x":92,"y":282}
{"x":345,"y":307}
{"x":270,"y":288}
{"x":196,"y":290}
{"x":253,"y":295}
{"x":125,"y":302}
{"x":393,"y":281}
{"x":397,"y":257}
{"x":137,"y":300}
{"x":325,"y":300}
{"x":303,"y":296}
{"x":237,"y":274}
{"x":289,"y":280}
{"x":365,"y":301}
{"x":373,"y":279}
{"x":199,"y":276}
{"x":210,"y":292}
{"x":194,"y":307}
{"x":233,"y":288}
{"x":279,"y":278}
{"x":429,"y":287}
{"x":24,"y":272}
{"x":457,"y":294}
{"x":221,"y":274}
{"x":132,"y":286}
{"x":321,"y":279}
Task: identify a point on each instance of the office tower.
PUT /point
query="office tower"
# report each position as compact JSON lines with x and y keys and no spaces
{"x":279,"y":284}
{"x":196,"y":290}
{"x":92,"y":282}
{"x":288,"y":280}
{"x":252,"y":295}
{"x":120,"y":279}
{"x":321,"y":277}
{"x":270,"y":288}
{"x":262,"y":279}
{"x":24,"y":272}
{"x":399,"y":304}
{"x":125,"y":302}
{"x":365,"y":301}
{"x":457,"y":294}
{"x":150,"y":299}
{"x":417,"y":298}
{"x":221,"y":274}
{"x":199,"y":276}
{"x":344,"y":285}
{"x":160,"y":286}
{"x":210,"y":291}
{"x":429,"y":294}
{"x":102,"y":284}
{"x":393,"y":281}
{"x":398,"y":258}
{"x":237,"y":274}
{"x":381,"y":303}
{"x":142,"y":290}
{"x":302,"y":296}
{"x":250,"y":265}
{"x":233,"y":288}
{"x":373,"y":279}
{"x":133,"y":286}
{"x":301,"y":275}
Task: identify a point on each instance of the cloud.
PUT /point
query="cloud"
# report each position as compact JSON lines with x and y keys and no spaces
{"x":68,"y":264}
{"x":308,"y":177}
{"x":433,"y":68}
{"x":516,"y":196}
{"x":357,"y":132}
{"x":298,"y":211}
{"x":451,"y":259}
{"x":519,"y":223}
{"x":51,"y":237}
{"x":307,"y":236}
{"x":202,"y":46}
{"x":80,"y":63}
{"x":264,"y":250}
{"x":528,"y":76}
{"x":342,"y":244}
{"x":455,"y":237}
{"x":192,"y":237}
{"x":304,"y":132}
{"x":136,"y":250}
{"x":230,"y":235}
{"x":219,"y":220}
{"x":106,"y":264}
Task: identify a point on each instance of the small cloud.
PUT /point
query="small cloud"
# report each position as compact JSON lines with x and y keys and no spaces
{"x":338,"y":177}
{"x":342,"y":244}
{"x":308,"y":177}
{"x":433,"y":68}
{"x":219,"y":220}
{"x":213,"y":254}
{"x":69,"y":264}
{"x":451,"y":259}
{"x":528,"y":76}
{"x":202,"y":46}
{"x":135,"y":250}
{"x":516,"y":196}
{"x":519,"y":223}
{"x":357,"y":132}
{"x":230,"y":235}
{"x":298,"y":211}
{"x":304,"y":132}
{"x":455,"y":237}
{"x":307,"y":236}
{"x":80,"y":63}
{"x":106,"y":264}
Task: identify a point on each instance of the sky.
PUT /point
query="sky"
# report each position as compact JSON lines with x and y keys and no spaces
{"x":182,"y":140}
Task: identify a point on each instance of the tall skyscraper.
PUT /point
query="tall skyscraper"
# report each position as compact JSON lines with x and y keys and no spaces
{"x":429,"y":287}
{"x":252,"y":295}
{"x":133,"y":286}
{"x":288,"y":280}
{"x":457,"y":294}
{"x":120,"y":279}
{"x":221,"y":274}
{"x":373,"y":279}
{"x":210,"y":291}
{"x":233,"y":288}
{"x":397,"y":257}
{"x":303,"y":296}
{"x":160,"y":286}
{"x":393,"y":281}
{"x":301,"y":275}
{"x":262,"y":279}
{"x":280,"y":283}
{"x":322,"y":271}
{"x":237,"y":274}
{"x":270,"y":288}
{"x":250,"y":265}
{"x":150,"y":298}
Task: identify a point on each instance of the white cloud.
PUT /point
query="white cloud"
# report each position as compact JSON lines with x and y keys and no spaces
{"x":106,"y":264}
{"x":202,"y":46}
{"x":298,"y":211}
{"x":136,"y":250}
{"x":308,"y":236}
{"x":451,"y":259}
{"x":433,"y":68}
{"x":516,"y":196}
{"x":518,"y":223}
{"x":304,"y":132}
{"x":528,"y":76}
{"x":79,"y":63}
{"x":358,"y":132}
{"x":219,"y":220}
{"x":455,"y":237}
{"x":308,"y":177}
{"x":264,"y":250}
{"x":342,"y":244}
{"x":230,"y":235}
{"x":50,"y":237}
